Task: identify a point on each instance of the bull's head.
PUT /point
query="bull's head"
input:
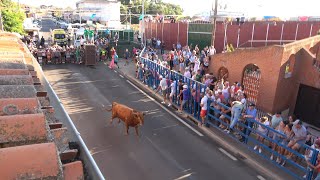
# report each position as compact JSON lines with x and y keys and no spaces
{"x":140,"y":117}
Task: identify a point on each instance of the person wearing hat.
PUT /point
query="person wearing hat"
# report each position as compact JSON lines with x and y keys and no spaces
{"x":298,"y":136}
{"x":186,"y":95}
{"x":249,"y":116}
{"x":163,"y":86}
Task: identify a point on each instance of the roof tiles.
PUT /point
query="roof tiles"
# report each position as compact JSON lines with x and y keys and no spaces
{"x":37,"y":161}
{"x":33,"y":143}
{"x":23,"y":129}
{"x":73,"y":171}
{"x":18,"y":106}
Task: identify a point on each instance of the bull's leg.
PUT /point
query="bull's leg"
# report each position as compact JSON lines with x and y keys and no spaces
{"x":127,"y":128}
{"x":111,"y":120}
{"x":113,"y":116}
{"x":137,"y":131}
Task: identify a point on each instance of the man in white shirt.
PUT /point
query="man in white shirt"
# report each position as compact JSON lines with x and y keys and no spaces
{"x":158,"y":44}
{"x":204,"y":107}
{"x":173,"y":85}
{"x":298,"y":137}
{"x":163,"y":86}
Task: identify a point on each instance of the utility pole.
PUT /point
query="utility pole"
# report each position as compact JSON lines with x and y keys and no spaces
{"x":130,"y":16}
{"x":1,"y":24}
{"x":127,"y":19}
{"x":214,"y":22}
{"x":143,"y":28}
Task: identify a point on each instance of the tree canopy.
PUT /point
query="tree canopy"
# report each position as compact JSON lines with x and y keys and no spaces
{"x":12,"y":16}
{"x":151,"y":7}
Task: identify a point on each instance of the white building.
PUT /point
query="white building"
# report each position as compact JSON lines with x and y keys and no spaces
{"x":105,"y":11}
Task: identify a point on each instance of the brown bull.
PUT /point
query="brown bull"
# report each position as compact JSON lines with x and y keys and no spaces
{"x":129,"y":116}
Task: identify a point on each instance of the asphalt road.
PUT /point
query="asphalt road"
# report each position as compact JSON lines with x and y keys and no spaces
{"x":166,"y":148}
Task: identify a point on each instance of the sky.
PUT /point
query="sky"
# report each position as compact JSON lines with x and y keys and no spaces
{"x":280,"y":8}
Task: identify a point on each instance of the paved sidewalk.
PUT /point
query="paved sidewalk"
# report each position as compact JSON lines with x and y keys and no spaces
{"x":234,"y":147}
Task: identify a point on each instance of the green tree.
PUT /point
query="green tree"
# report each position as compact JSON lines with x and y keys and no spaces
{"x":151,"y":7}
{"x":12,"y":16}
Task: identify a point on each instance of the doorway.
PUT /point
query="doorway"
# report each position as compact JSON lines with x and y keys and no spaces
{"x":308,"y":105}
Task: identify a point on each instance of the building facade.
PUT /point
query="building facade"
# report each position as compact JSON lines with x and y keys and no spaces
{"x":107,"y":12}
{"x":283,"y":78}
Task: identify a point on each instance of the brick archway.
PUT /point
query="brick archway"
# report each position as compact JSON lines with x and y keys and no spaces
{"x":251,"y":81}
{"x":223,"y":73}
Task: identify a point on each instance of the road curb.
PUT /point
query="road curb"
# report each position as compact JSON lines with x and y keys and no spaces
{"x":244,"y":156}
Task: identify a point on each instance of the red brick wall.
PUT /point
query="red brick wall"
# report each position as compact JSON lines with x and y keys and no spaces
{"x":303,"y":73}
{"x":267,"y":59}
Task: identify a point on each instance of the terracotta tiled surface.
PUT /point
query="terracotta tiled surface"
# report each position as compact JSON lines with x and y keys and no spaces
{"x":73,"y":171}
{"x":21,"y":91}
{"x":13,"y":72}
{"x":23,"y":129}
{"x":22,"y":105}
{"x":32,"y":140}
{"x":16,"y":80}
{"x":37,"y":161}
{"x":61,"y":138}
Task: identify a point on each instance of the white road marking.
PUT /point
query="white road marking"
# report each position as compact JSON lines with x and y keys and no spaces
{"x":115,"y":86}
{"x":172,"y":114}
{"x":165,"y":127}
{"x":115,"y":71}
{"x":121,"y":76}
{"x":184,"y":176}
{"x":227,"y":154}
{"x":260,"y":177}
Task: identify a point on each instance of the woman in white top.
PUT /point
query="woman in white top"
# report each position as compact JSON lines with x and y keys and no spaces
{"x":262,"y":130}
{"x":196,"y":64}
{"x":226,"y":91}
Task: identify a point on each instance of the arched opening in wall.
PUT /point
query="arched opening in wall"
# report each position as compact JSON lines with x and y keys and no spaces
{"x":251,"y":82}
{"x":223,"y":73}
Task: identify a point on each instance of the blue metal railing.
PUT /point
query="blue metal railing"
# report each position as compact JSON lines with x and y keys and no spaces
{"x":192,"y":107}
{"x":293,"y":168}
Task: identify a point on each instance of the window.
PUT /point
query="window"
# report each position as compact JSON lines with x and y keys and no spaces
{"x":59,"y":36}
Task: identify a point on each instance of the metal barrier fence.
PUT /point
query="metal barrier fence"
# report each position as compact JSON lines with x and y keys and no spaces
{"x":247,"y":130}
{"x":293,"y":168}
{"x":192,"y":106}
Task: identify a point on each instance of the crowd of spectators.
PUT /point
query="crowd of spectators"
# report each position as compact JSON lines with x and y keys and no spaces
{"x":232,"y":110}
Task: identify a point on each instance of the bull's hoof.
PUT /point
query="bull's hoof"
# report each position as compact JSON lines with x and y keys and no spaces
{"x":126,"y":134}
